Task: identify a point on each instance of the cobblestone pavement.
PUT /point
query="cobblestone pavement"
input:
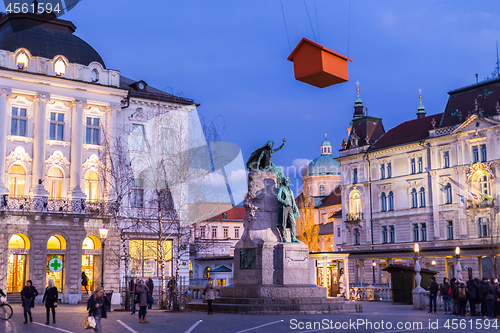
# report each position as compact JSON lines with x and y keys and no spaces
{"x":382,"y":317}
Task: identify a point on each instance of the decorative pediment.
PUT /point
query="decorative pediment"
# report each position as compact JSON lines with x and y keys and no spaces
{"x":139,"y":115}
{"x":479,"y":168}
{"x":385,"y":187}
{"x":20,"y":156}
{"x":445,"y":179}
{"x":475,"y":123}
{"x":91,"y":163}
{"x":57,"y":159}
{"x":418,"y":182}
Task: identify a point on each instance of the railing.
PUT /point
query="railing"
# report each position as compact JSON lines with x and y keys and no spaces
{"x":55,"y":206}
{"x":197,"y":291}
{"x":484,"y":203}
{"x":365,"y":284}
{"x":354,"y":217}
{"x":381,"y":294}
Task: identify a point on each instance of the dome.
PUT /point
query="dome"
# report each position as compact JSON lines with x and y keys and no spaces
{"x":324,"y":165}
{"x":46,"y":37}
{"x":326,"y":143}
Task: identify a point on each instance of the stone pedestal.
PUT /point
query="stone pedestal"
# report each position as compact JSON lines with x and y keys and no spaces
{"x":270,"y":276}
{"x":419,"y":298}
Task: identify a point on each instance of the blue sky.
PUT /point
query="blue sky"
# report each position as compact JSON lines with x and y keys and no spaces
{"x":230,"y":56}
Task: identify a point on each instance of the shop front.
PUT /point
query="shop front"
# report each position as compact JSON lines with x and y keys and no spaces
{"x":330,"y":271}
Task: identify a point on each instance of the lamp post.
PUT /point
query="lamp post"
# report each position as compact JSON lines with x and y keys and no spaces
{"x":418,"y":277}
{"x":103,"y":233}
{"x":373,"y":270}
{"x":458,"y":267}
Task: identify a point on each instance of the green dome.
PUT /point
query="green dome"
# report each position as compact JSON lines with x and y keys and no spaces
{"x":326,"y":143}
{"x":324,"y":165}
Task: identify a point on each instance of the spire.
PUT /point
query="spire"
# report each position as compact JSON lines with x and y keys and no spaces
{"x":326,"y":147}
{"x":421,"y":108}
{"x":358,"y":104}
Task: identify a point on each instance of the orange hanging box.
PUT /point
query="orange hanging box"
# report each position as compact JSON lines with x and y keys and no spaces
{"x":317,"y":65}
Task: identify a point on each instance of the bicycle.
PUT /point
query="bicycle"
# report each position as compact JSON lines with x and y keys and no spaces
{"x":5,"y":309}
{"x":183,"y":300}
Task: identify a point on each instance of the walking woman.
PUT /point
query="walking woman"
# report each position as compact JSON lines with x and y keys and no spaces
{"x":96,"y":306}
{"x":50,"y":299}
{"x":28,"y":295}
{"x":209,"y":295}
{"x":85,"y":281}
{"x":142,"y":294}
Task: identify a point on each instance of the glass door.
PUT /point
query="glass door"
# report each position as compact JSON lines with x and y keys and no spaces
{"x":88,"y":268}
{"x":56,"y":271}
{"x":16,"y":273}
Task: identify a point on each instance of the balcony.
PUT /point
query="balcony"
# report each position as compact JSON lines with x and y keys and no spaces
{"x":484,"y":203}
{"x":354,"y":217}
{"x":30,"y":205}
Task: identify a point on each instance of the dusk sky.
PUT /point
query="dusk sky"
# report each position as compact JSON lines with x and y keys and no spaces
{"x":231,"y":56}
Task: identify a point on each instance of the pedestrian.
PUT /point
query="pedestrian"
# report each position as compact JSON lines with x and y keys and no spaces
{"x":50,"y":298}
{"x":490,"y":298}
{"x":454,"y":301}
{"x":209,"y":295}
{"x":135,"y":296}
{"x":28,"y":295}
{"x":85,"y":281}
{"x":461,"y":296}
{"x":496,"y":291}
{"x":472,"y":286}
{"x":142,"y":295}
{"x":96,"y":306}
{"x":482,"y":291}
{"x":171,"y":285}
{"x":445,"y":291}
{"x":151,"y":286}
{"x":433,"y":290}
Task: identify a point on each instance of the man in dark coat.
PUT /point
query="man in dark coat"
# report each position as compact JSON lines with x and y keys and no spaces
{"x":433,"y":289}
{"x":461,"y":294}
{"x":454,"y":301}
{"x":445,"y":291}
{"x":171,"y":285}
{"x":151,"y":286}
{"x":28,"y":295}
{"x":472,"y":286}
{"x":85,"y":282}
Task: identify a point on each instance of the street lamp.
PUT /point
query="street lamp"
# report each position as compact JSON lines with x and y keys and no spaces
{"x":103,"y":233}
{"x":418,"y":277}
{"x":373,"y":270}
{"x":458,"y":267}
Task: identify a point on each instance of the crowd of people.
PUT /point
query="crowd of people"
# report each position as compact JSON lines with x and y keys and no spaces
{"x":483,"y":297}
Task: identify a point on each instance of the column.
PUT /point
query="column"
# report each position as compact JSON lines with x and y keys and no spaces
{"x":346,"y":279}
{"x":480,"y":267}
{"x":4,"y":114}
{"x":325,"y":272}
{"x":39,"y":145}
{"x":77,"y":126}
{"x":362,"y":269}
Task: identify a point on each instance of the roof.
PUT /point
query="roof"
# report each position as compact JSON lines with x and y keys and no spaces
{"x":221,"y":269}
{"x":235,"y":213}
{"x":363,"y":127}
{"x":305,"y":40}
{"x":326,"y":229}
{"x":45,"y":37}
{"x":409,"y":131}
{"x":336,"y":214}
{"x":334,"y":198}
{"x":150,"y":92}
{"x":324,"y":165}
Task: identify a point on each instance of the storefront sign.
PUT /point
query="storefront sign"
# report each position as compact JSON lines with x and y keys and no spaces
{"x":55,"y":265}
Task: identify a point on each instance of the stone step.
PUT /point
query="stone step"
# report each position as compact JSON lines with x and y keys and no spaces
{"x":266,"y":301}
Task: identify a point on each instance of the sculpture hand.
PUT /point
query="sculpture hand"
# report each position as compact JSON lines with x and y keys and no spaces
{"x":284,"y":140}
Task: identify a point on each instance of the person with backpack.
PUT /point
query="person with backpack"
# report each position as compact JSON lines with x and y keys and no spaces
{"x":491,"y":298}
{"x":445,"y":291}
{"x":461,"y":296}
{"x":433,"y":289}
{"x":472,"y":286}
{"x":454,"y":301}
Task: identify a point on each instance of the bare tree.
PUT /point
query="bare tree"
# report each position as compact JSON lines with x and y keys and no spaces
{"x":307,"y":230}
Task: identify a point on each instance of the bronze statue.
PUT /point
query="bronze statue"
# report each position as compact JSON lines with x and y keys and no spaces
{"x":287,"y":210}
{"x":261,"y":160}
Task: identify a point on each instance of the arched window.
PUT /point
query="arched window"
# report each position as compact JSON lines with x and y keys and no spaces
{"x":206,"y":272}
{"x":59,"y":67}
{"x":391,"y":201}
{"x":17,"y":179}
{"x":56,"y":242}
{"x":484,"y":185}
{"x":422,"y":197}
{"x":94,"y":75}
{"x":91,"y":185}
{"x":355,"y":203}
{"x":414,"y":202}
{"x":322,"y":190}
{"x":91,"y":243}
{"x":383,"y":202}
{"x":22,"y":61}
{"x":447,"y":191}
{"x":19,"y":241}
{"x":55,"y":177}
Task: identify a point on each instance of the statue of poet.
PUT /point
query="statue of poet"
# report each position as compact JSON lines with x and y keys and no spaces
{"x":287,"y":210}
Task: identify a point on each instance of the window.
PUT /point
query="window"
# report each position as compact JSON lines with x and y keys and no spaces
{"x":165,"y":199}
{"x":484,"y":185}
{"x":414,"y":203}
{"x":59,"y":67}
{"x":92,"y":131}
{"x":145,"y":257}
{"x":226,"y":232}
{"x":22,"y":61}
{"x":206,"y":272}
{"x":484,"y":230}
{"x":447,"y":192}
{"x":17,"y":179}
{"x":483,"y":153}
{"x":137,"y":137}
{"x":446,"y":159}
{"x":94,"y":75}
{"x":420,"y":166}
{"x":391,"y":201}
{"x":214,"y":232}
{"x":392,"y":234}
{"x":412,"y":166}
{"x":383,"y":202}
{"x":384,"y":235}
{"x":389,"y":170}
{"x":137,"y":193}
{"x":356,"y":236}
{"x":166,"y":139}
{"x":338,"y":231}
{"x":91,"y":185}
{"x":202,"y":232}
{"x":18,"y":122}
{"x":423,"y":232}
{"x":355,"y":176}
{"x":355,"y":203}
{"x":415,"y":232}
{"x":322,"y":190}
{"x":475,"y":154}
{"x":449,"y":229}
{"x":422,"y":197}
{"x":57,"y":126}
{"x":55,"y":178}
{"x":382,"y":171}
{"x":236,"y":232}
